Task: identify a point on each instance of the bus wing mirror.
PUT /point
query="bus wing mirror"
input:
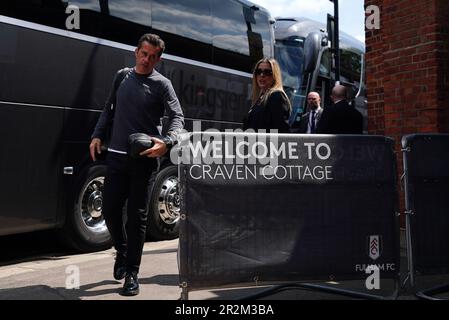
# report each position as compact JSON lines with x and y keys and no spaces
{"x":324,"y":41}
{"x":312,"y":47}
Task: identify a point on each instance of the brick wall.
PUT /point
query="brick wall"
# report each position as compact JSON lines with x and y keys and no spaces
{"x":442,"y":37}
{"x":408,"y":69}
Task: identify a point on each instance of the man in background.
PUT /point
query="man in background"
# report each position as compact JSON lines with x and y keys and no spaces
{"x":309,"y":121}
{"x":341,"y":117}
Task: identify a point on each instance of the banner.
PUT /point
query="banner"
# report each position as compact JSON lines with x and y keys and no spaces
{"x":268,"y":207}
{"x":426,"y":165}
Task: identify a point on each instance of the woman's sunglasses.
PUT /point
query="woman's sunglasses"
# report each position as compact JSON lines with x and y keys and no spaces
{"x":265,"y":72}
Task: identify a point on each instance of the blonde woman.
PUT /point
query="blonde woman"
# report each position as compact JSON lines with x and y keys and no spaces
{"x":271,"y":107}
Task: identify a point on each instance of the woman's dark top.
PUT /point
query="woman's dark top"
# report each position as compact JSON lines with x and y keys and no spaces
{"x":274,"y":114}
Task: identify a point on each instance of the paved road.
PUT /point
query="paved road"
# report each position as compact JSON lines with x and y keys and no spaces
{"x":46,"y":275}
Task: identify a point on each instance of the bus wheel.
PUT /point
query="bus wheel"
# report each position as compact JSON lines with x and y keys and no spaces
{"x":163,"y":212}
{"x":85,"y":224}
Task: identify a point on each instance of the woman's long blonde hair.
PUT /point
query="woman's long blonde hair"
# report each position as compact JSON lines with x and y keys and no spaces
{"x":277,"y":81}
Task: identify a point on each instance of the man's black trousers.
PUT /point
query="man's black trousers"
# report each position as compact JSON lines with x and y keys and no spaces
{"x":127,"y":179}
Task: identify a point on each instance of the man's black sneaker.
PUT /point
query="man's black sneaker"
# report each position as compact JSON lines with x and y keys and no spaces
{"x":131,"y":286}
{"x":119,"y":266}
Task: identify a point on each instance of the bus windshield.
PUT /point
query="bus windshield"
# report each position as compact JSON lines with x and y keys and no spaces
{"x":290,"y":56}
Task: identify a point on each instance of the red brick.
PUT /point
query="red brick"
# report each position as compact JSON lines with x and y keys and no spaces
{"x":408,"y":69}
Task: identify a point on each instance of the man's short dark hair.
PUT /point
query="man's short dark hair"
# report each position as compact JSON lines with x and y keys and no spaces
{"x":154,"y":40}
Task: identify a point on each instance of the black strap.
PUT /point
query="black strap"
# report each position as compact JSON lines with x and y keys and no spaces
{"x":118,"y":81}
{"x":121,"y":74}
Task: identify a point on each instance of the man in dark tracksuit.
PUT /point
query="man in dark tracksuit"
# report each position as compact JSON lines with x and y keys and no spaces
{"x":140,"y":101}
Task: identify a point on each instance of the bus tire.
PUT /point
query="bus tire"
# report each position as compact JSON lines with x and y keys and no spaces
{"x":163,"y":208}
{"x":85,"y":228}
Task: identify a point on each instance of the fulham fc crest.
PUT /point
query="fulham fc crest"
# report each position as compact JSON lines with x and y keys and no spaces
{"x":375,"y":247}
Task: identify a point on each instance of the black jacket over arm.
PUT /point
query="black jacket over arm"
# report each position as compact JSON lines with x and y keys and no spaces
{"x":274,"y":114}
{"x":104,"y":123}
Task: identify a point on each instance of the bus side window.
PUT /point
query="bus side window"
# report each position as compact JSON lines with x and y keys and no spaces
{"x":185,"y":25}
{"x":112,"y":20}
{"x":263,"y":27}
{"x":325,"y":65}
{"x":230,"y":39}
{"x":350,"y":65}
{"x":187,"y":18}
{"x":119,"y":9}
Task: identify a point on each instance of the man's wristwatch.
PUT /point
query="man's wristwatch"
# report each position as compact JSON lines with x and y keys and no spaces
{"x":168,"y":142}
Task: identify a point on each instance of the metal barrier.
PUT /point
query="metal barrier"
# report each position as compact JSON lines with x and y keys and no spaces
{"x":261,"y":209}
{"x":426,"y":186}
